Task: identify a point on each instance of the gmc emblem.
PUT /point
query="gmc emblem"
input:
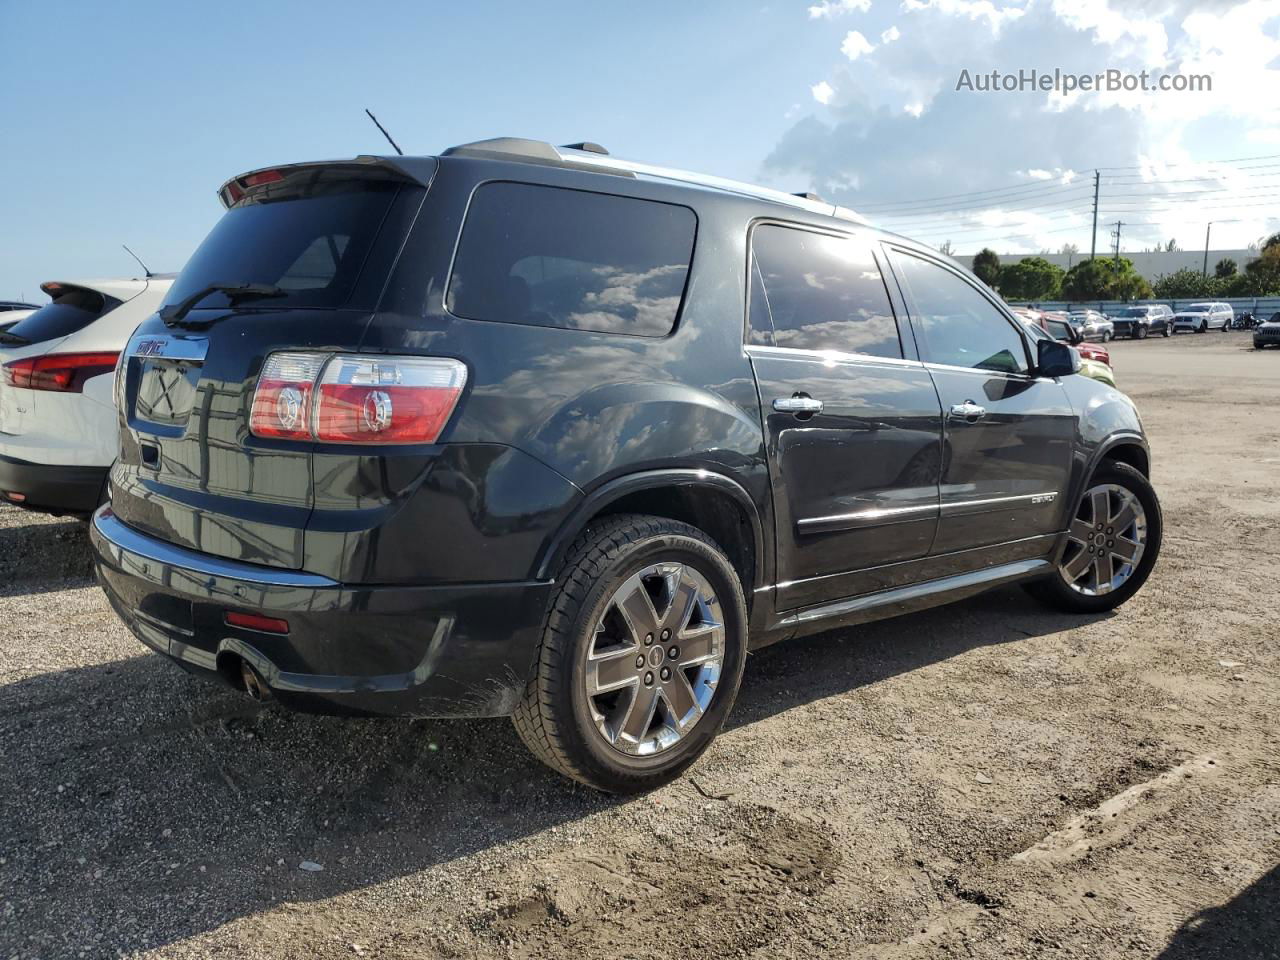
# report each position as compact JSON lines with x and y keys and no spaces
{"x":149,"y":348}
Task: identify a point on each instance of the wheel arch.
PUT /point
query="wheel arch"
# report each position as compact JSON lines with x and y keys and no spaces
{"x":714,"y":503}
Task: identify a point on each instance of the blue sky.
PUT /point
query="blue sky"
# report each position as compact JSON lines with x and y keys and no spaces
{"x":120,"y":120}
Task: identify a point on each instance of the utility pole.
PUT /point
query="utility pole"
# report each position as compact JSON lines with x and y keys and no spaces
{"x":1093,"y":250}
{"x":1205,"y":270}
{"x":1116,"y":233}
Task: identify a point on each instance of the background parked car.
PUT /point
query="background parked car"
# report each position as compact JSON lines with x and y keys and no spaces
{"x":1063,"y":330}
{"x":1093,"y":325}
{"x":1267,"y":333}
{"x":1141,"y":320}
{"x":57,"y":416}
{"x":11,"y":311}
{"x":1094,"y":369}
{"x":1202,"y":317}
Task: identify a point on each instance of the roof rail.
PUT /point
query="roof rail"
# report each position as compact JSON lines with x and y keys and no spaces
{"x":588,"y":146}
{"x":592,"y":156}
{"x":804,"y":201}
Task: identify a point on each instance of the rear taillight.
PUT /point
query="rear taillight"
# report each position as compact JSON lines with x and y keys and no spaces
{"x":356,"y":399}
{"x":62,"y":372}
{"x":282,"y":402}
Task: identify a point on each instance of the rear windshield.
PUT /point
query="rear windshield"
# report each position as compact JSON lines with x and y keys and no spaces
{"x":554,"y":257}
{"x":311,"y":242}
{"x":69,"y":312}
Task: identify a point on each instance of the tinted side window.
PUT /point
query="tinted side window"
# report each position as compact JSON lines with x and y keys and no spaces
{"x":570,"y":258}
{"x":822,"y":293}
{"x":957,"y":324}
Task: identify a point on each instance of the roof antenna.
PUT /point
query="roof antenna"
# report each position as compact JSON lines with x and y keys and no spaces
{"x":384,"y":132}
{"x":144,"y":267}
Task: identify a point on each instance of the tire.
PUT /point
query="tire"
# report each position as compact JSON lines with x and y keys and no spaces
{"x":585,"y":736}
{"x":1141,"y":332}
{"x":1057,"y":592}
{"x":1167,"y":332}
{"x":1204,"y":327}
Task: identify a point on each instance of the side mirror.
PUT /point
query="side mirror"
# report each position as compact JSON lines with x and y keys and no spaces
{"x":1056,"y":359}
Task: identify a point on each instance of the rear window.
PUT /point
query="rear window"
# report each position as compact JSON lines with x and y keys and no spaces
{"x":70,"y":311}
{"x":553,"y":257}
{"x":311,"y":241}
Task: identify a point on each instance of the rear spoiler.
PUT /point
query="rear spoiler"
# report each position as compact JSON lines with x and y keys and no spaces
{"x":267,"y":180}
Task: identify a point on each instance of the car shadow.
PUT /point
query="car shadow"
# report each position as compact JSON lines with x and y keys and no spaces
{"x":1246,"y":927}
{"x":145,"y":806}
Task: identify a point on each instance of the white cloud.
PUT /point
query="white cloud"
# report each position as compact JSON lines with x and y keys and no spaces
{"x":906,"y":95}
{"x":983,"y":10}
{"x":855,"y":45}
{"x":822,"y":92}
{"x":830,"y":9}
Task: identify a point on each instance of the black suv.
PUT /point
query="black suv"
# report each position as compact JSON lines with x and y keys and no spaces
{"x":1139,"y":321}
{"x":525,"y":430}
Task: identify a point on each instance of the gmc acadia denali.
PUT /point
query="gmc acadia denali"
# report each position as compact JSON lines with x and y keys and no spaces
{"x":531,"y":431}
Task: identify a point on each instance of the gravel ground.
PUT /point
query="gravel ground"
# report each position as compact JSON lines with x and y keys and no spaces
{"x":983,"y":780}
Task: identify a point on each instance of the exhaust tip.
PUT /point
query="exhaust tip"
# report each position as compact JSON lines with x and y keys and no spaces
{"x":254,"y":685}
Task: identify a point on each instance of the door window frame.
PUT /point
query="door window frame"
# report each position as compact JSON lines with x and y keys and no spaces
{"x":897,"y":307}
{"x":893,"y":251}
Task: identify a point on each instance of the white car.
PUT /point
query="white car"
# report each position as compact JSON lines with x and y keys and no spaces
{"x":58,"y":428}
{"x":1201,"y":317}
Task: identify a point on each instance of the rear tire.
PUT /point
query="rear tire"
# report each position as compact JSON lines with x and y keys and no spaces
{"x":1124,"y":494}
{"x":1167,"y":332}
{"x":609,"y":703}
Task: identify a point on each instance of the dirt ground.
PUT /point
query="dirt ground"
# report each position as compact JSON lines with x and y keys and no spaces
{"x":983,"y":780}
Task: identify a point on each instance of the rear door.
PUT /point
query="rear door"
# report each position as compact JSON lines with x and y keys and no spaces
{"x":851,"y":419}
{"x":1008,"y":434}
{"x":190,"y":472}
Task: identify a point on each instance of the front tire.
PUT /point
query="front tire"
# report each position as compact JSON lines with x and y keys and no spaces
{"x":1112,"y":544}
{"x":1167,"y":331}
{"x":641,"y":657}
{"x":1141,"y":333}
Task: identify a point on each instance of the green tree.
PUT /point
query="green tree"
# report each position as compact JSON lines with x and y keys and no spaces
{"x":1032,"y":278}
{"x":987,"y":266}
{"x":1226,"y":267}
{"x":1185,"y":283}
{"x":1265,"y":271}
{"x":1105,"y":279}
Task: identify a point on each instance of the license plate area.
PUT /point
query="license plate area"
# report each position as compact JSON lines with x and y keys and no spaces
{"x":166,"y":391}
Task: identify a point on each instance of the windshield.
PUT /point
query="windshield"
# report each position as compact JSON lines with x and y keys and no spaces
{"x":312,"y":244}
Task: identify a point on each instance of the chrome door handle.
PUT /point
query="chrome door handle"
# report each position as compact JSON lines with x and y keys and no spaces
{"x":797,"y":404}
{"x":968,"y":411}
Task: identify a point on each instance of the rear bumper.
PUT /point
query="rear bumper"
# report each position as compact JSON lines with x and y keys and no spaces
{"x":51,"y":487}
{"x":441,"y":651}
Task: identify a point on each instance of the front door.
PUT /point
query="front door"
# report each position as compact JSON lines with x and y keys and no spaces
{"x":1008,"y":434}
{"x":853,"y":425}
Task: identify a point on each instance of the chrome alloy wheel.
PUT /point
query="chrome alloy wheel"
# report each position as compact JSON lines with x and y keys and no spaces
{"x":1105,"y":542}
{"x":655,"y":659}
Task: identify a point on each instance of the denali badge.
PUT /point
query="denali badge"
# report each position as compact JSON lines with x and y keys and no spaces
{"x":1044,"y":498}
